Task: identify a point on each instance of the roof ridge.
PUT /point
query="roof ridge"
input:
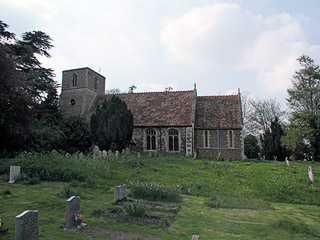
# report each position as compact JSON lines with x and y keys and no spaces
{"x":218,"y":96}
{"x":140,"y":93}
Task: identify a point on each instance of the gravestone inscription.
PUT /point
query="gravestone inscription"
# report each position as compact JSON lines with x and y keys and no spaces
{"x":27,"y":226}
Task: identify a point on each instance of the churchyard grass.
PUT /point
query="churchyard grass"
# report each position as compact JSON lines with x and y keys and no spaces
{"x":256,"y":200}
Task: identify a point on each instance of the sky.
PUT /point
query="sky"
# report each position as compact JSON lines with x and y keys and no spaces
{"x":153,"y":44}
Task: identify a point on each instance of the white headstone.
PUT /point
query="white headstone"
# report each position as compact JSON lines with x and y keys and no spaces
{"x":81,"y":156}
{"x":139,"y":155}
{"x":96,"y":153}
{"x":195,"y":237}
{"x":72,"y":208}
{"x":311,"y":174}
{"x":104,"y":154}
{"x":27,"y":226}
{"x":14,"y":173}
{"x":287,"y":161}
{"x":117,"y":153}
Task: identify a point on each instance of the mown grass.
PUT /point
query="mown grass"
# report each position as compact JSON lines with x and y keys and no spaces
{"x":237,"y":184}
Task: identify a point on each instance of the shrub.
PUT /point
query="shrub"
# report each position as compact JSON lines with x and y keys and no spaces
{"x":135,"y":209}
{"x":155,"y":191}
{"x":67,"y":191}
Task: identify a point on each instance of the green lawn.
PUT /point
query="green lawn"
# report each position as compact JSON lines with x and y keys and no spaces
{"x":294,"y":200}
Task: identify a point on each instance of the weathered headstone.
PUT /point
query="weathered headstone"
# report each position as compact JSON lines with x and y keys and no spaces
{"x":110,"y":153}
{"x":128,"y":151}
{"x":75,"y":155}
{"x":81,"y":156}
{"x":120,"y":193}
{"x":55,"y":154}
{"x":96,"y":153}
{"x":150,"y":154}
{"x":104,"y":154}
{"x":195,"y":155}
{"x":139,"y":155}
{"x":72,"y":211}
{"x":287,"y":161}
{"x":195,"y":237}
{"x":311,"y":174}
{"x":68,"y":155}
{"x":27,"y":226}
{"x":14,"y":173}
{"x":117,"y":153}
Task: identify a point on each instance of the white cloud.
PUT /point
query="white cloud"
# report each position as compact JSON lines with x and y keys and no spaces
{"x":41,"y":8}
{"x":154,"y":87}
{"x":225,"y":36}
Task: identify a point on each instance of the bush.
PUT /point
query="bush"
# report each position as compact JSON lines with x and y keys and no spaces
{"x":67,"y":191}
{"x":135,"y":209}
{"x":155,"y":191}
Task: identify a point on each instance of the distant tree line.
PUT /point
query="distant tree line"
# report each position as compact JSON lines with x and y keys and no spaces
{"x":275,"y":134}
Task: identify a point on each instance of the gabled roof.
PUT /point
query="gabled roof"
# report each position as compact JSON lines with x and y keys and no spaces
{"x":218,"y":112}
{"x":156,"y":108}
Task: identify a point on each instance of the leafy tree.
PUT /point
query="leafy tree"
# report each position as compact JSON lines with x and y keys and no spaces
{"x":76,"y":133}
{"x":271,"y":142}
{"x":113,"y":91}
{"x":304,"y":101}
{"x":112,"y":125}
{"x":251,"y":146}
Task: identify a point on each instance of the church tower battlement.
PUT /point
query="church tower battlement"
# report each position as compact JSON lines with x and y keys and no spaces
{"x":80,"y":87}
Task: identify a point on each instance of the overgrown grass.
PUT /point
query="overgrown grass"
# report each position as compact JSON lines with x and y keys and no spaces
{"x":135,"y":209}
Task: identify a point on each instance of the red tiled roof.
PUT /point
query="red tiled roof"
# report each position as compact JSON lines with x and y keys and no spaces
{"x":212,"y":110}
{"x":156,"y":108}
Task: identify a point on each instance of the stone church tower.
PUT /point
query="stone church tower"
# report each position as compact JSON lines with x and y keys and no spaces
{"x":80,"y":87}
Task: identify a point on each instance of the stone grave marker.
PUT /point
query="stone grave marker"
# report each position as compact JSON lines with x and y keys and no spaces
{"x":311,"y":174}
{"x":72,"y":211}
{"x":110,"y":153}
{"x":14,"y":173}
{"x":128,"y":151}
{"x":104,"y":154}
{"x":96,"y":153}
{"x":68,"y":155}
{"x":27,"y":226}
{"x":117,"y":153}
{"x":150,"y":154}
{"x":195,"y":237}
{"x":81,"y":156}
{"x":287,"y":161}
{"x":120,"y":193}
{"x":55,"y":154}
{"x":139,"y":155}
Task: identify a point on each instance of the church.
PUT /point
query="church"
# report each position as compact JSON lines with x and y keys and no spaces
{"x":170,"y":122}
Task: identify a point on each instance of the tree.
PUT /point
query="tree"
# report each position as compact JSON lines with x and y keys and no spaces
{"x":251,"y":146}
{"x":132,"y":88}
{"x":111,"y":126}
{"x":76,"y":133}
{"x":271,"y":142}
{"x":304,"y":101}
{"x":168,"y":89}
{"x":259,"y":115}
{"x":113,"y":91}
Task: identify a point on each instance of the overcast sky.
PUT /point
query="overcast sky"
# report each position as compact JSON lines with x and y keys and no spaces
{"x":152,"y":44}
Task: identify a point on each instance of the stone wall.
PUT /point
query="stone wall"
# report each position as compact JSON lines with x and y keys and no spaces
{"x":162,"y":143}
{"x":235,"y":152}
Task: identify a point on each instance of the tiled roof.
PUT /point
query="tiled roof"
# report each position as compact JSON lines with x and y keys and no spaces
{"x":156,"y":108}
{"x":212,"y":110}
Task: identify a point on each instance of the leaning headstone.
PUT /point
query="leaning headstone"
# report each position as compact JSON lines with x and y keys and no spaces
{"x":72,"y":213}
{"x":117,"y":153}
{"x":287,"y":161}
{"x":311,"y":174}
{"x":195,"y":237}
{"x":104,"y":154}
{"x":14,"y":173}
{"x":139,"y":155}
{"x":27,"y":226}
{"x":55,"y":154}
{"x":68,"y":155}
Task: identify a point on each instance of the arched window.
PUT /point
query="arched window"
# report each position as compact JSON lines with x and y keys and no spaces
{"x":95,"y":81}
{"x":151,"y":139}
{"x":74,"y":80}
{"x":173,"y":140}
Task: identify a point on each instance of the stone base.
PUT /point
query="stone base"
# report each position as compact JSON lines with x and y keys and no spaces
{"x":11,"y":181}
{"x":77,"y":228}
{"x":3,"y":231}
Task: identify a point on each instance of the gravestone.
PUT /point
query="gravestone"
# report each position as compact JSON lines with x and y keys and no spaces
{"x":117,"y":153}
{"x":195,"y":155}
{"x":287,"y":161}
{"x":110,"y":153}
{"x":81,"y":156}
{"x":120,"y":193}
{"x":68,"y":155}
{"x":311,"y":174}
{"x":73,"y":210}
{"x":27,"y":226}
{"x":96,"y":153}
{"x":139,"y":155}
{"x":195,"y":237}
{"x":150,"y":154}
{"x":14,"y":173}
{"x":128,"y":151}
{"x":55,"y":154}
{"x":104,"y":154}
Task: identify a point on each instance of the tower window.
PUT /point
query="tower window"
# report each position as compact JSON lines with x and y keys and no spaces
{"x":206,"y":138}
{"x":95,"y":81}
{"x":74,"y":80}
{"x":72,"y":102}
{"x":151,"y":139}
{"x":173,"y":140}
